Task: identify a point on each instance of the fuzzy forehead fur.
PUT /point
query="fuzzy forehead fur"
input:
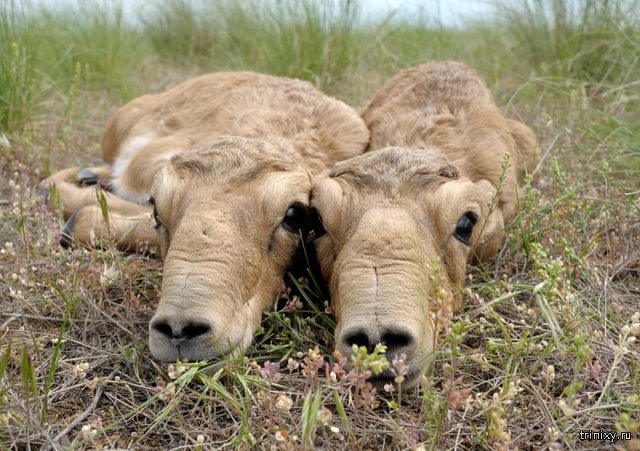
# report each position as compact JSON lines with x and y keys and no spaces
{"x":389,"y":169}
{"x":233,"y":158}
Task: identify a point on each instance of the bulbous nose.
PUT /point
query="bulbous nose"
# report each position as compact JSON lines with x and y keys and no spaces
{"x":178,"y":334}
{"x":396,"y":339}
{"x":172,"y":339}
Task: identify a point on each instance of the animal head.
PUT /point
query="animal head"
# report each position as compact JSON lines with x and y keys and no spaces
{"x":229,"y":216}
{"x":400,"y":227}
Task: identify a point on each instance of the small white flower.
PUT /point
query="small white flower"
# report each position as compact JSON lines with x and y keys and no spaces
{"x":284,"y":403}
{"x":552,"y":434}
{"x":88,"y":431}
{"x":80,"y":370}
{"x":549,"y":373}
{"x":108,"y":275}
{"x":568,"y":411}
{"x":324,"y":415}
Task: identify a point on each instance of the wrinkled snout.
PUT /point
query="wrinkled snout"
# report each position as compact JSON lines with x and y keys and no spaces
{"x":202,"y":322}
{"x":382,"y":294}
{"x":176,"y":337}
{"x":397,"y":339}
{"x":204,"y":311}
{"x":402,"y":343}
{"x":406,"y":340}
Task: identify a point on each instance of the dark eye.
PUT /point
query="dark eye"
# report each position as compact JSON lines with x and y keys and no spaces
{"x":295,"y":218}
{"x":156,"y":218}
{"x":465,"y":227}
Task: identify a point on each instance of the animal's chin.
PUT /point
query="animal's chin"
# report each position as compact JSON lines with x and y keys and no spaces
{"x":387,"y":377}
{"x":208,"y":348}
{"x":191,"y":353}
{"x":215,"y":357}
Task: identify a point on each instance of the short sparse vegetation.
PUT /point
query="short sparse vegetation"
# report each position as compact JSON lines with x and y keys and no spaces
{"x":545,"y":346}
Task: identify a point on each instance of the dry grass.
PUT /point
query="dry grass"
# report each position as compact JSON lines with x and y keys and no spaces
{"x":545,"y":346}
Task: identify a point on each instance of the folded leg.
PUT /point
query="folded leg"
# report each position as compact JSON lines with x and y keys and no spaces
{"x":82,"y":193}
{"x":130,"y":228}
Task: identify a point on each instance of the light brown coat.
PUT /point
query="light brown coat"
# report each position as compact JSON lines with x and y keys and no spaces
{"x":226,"y":160}
{"x":434,"y":191}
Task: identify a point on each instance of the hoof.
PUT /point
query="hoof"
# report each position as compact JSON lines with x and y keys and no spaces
{"x":87,"y":177}
{"x":43,"y":191}
{"x":66,"y":240}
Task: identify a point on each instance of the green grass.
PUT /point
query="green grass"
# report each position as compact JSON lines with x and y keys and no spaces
{"x":543,"y":347}
{"x":299,"y":39}
{"x":591,"y":40}
{"x":17,"y":71}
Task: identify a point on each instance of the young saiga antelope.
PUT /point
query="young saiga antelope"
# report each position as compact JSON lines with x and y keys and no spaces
{"x":434,"y":191}
{"x":217,"y":173}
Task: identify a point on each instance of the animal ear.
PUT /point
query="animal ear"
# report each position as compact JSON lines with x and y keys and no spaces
{"x":526,"y":149}
{"x":491,"y":227}
{"x":491,"y":236}
{"x":325,"y":202}
{"x":164,"y":183}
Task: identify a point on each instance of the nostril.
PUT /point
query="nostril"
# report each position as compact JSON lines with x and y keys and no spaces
{"x":194,"y":330}
{"x":396,"y":340}
{"x":191,"y":330}
{"x":358,"y":338}
{"x":164,"y":328}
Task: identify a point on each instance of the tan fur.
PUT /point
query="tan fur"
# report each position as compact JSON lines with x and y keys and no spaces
{"x":223,"y":156}
{"x":437,"y":151}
